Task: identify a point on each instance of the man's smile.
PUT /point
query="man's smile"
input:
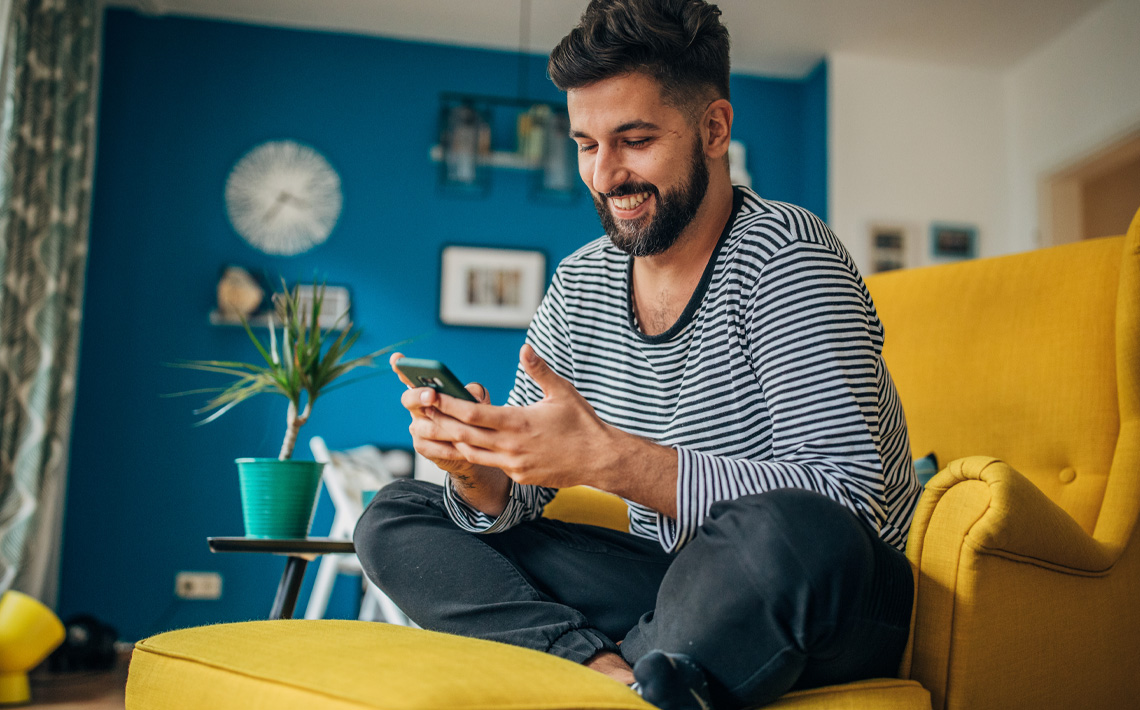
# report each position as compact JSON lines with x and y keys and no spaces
{"x":629,"y":202}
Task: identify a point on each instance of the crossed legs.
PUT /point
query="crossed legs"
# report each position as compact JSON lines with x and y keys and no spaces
{"x":780,"y":590}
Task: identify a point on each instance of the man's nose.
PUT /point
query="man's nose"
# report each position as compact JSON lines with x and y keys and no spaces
{"x":609,"y":172}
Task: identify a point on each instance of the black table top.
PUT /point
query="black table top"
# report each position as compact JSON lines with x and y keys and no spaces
{"x":280,"y":546}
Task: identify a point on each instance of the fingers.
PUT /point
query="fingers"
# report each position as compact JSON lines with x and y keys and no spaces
{"x":392,"y":363}
{"x":418,"y":400}
{"x":438,"y":452}
{"x":481,"y":414}
{"x":479,"y":392}
{"x":439,"y":427}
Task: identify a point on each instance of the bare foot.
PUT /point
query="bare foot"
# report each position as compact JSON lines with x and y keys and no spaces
{"x":611,"y":664}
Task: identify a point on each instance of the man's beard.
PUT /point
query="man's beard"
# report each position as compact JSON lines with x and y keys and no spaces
{"x":652,"y":235}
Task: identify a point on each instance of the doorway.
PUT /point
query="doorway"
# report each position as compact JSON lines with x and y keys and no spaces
{"x":1095,"y":197}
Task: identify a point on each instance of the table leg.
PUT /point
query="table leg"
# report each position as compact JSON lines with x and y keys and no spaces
{"x":288,"y":588}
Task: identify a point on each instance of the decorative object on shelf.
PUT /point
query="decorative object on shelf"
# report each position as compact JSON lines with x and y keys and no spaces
{"x":953,"y":241}
{"x":540,"y":141}
{"x":738,"y":164}
{"x":888,"y":248}
{"x":279,"y":495}
{"x":465,"y":139}
{"x":498,"y":288}
{"x":558,"y":176}
{"x":239,"y":294}
{"x":283,"y":197}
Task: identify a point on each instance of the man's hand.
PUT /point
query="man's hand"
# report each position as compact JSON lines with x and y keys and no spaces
{"x":559,"y":442}
{"x":486,"y":489}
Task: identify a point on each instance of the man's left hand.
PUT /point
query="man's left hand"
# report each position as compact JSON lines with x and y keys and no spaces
{"x":558,"y":441}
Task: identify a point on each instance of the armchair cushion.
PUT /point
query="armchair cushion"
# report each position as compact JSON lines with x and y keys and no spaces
{"x":301,"y":665}
{"x":353,"y":665}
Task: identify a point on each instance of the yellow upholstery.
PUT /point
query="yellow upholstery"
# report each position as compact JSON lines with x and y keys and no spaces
{"x":1028,"y":573}
{"x":301,"y":665}
{"x":589,"y":506}
{"x":1028,"y":569}
{"x":349,"y":665}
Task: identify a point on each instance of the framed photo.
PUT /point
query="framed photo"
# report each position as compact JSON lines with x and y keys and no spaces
{"x":888,"y":247}
{"x":334,"y":308}
{"x":953,"y":241}
{"x":494,"y":288}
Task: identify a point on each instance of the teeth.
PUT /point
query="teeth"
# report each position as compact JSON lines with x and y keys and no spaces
{"x":629,"y":201}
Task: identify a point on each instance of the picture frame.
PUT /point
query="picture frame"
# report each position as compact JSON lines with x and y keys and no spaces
{"x":490,"y":287}
{"x":336,"y":306}
{"x":953,"y":241}
{"x":888,"y":244}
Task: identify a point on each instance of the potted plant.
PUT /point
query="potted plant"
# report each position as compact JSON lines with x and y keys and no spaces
{"x":279,"y":495}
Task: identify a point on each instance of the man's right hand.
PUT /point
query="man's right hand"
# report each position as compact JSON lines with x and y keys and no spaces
{"x":483,"y":487}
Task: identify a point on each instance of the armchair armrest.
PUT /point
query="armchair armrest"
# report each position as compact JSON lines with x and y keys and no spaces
{"x":1016,"y":606}
{"x":1014,"y":519}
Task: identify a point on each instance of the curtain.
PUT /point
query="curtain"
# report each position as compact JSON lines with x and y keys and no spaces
{"x":46,"y":142}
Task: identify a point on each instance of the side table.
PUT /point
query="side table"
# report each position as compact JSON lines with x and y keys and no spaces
{"x":298,"y":552}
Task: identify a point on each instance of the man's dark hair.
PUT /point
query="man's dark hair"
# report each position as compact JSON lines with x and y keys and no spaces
{"x":680,"y":43}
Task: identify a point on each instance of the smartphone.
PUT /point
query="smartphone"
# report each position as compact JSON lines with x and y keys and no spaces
{"x":434,"y":374}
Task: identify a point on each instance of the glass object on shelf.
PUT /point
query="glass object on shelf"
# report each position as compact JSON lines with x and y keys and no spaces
{"x":466,"y":141}
{"x":558,"y":175}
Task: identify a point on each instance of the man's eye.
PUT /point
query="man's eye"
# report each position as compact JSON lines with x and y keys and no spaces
{"x":637,"y":143}
{"x":586,"y":148}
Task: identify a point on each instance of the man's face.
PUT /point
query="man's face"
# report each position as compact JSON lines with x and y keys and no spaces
{"x":642,"y":159}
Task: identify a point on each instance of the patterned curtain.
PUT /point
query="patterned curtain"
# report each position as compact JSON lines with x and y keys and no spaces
{"x":46,"y":142}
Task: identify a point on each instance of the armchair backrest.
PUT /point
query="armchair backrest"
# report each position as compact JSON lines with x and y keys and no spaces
{"x":1016,"y":357}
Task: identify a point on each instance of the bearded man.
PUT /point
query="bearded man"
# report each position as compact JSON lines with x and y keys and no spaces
{"x":715,"y":360}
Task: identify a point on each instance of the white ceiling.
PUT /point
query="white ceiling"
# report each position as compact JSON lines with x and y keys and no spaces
{"x":771,"y":37}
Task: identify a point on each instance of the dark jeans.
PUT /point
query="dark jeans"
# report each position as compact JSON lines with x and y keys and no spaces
{"x":782,"y":590}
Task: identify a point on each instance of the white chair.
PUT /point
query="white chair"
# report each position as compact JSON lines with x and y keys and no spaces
{"x":347,"y":476}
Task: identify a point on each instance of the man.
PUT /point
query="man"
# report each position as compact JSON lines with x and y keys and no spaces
{"x":715,"y":361}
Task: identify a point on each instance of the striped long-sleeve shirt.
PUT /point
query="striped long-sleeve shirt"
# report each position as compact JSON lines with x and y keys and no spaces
{"x":772,"y":377}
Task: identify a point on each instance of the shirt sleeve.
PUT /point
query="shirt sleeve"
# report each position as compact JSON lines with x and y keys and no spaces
{"x":549,"y":338}
{"x":814,"y":343}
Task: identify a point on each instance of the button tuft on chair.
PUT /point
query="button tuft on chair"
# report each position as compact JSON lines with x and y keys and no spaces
{"x":1068,"y":474}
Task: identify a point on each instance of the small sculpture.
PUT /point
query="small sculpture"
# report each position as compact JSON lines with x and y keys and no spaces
{"x":239,"y":294}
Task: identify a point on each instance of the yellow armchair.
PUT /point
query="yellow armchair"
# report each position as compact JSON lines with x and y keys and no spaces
{"x":1028,"y":570}
{"x":1028,"y":573}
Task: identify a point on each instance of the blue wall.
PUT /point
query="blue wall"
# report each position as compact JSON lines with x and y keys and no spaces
{"x":181,"y":101}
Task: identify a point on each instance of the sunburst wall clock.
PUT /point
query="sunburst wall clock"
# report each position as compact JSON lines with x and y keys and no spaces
{"x":283,"y":197}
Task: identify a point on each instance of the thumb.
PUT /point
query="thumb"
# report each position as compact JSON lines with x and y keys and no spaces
{"x":540,"y":372}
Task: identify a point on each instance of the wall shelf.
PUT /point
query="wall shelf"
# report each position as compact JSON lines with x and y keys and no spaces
{"x":496,"y":159}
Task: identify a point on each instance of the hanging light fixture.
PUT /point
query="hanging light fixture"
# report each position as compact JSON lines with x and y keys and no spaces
{"x":541,"y":135}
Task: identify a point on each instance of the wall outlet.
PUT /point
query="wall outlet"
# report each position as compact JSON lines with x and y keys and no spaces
{"x":198,"y":585}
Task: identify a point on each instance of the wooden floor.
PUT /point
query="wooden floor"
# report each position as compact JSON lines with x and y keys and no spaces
{"x":81,"y":691}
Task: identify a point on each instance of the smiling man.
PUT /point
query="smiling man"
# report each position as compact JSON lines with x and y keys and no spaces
{"x":715,"y":360}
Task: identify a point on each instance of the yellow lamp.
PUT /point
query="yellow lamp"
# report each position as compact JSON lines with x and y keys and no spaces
{"x":29,"y":631}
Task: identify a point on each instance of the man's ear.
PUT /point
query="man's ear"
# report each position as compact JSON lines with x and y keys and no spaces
{"x":716,"y":128}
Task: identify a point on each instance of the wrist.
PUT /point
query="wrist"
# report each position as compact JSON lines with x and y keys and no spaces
{"x":484,"y":488}
{"x":640,"y":470}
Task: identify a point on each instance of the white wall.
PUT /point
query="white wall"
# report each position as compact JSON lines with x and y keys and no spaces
{"x":912,"y":144}
{"x":1073,"y":96}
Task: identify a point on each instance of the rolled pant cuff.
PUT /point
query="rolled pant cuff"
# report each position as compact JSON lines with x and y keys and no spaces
{"x":579,"y":645}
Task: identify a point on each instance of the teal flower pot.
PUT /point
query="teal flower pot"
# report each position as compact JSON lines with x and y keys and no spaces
{"x":278,"y":497}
